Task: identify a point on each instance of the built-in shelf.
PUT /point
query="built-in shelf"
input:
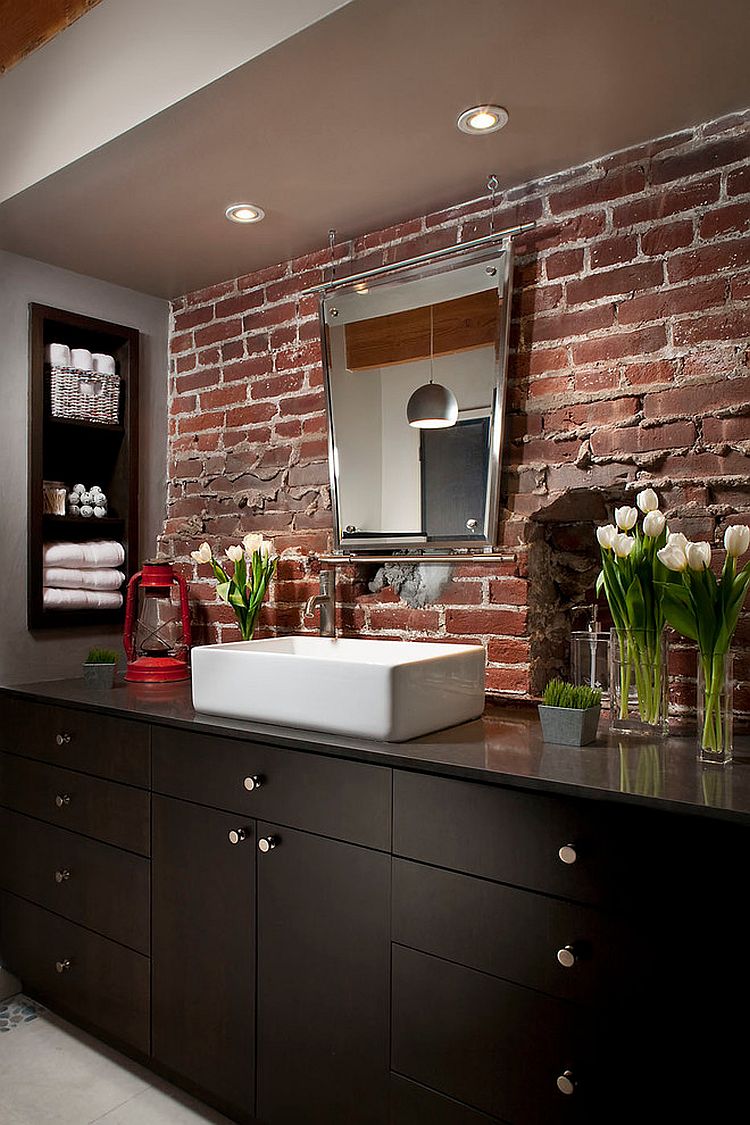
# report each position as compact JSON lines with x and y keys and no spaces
{"x":73,"y":450}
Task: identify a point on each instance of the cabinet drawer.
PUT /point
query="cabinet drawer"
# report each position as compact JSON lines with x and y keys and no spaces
{"x":99,"y":886}
{"x":510,"y":933}
{"x":489,"y":1044}
{"x":329,"y":796}
{"x":102,"y":984}
{"x":102,"y":745}
{"x":415,"y":1105}
{"x":116,"y":814}
{"x":514,"y":837}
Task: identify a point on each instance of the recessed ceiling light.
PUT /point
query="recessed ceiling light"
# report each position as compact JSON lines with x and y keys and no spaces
{"x":482,"y":119}
{"x":244,"y":213}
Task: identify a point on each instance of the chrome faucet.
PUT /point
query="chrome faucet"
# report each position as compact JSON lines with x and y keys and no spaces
{"x":325,"y":602}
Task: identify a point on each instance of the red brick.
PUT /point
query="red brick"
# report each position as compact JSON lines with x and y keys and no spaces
{"x":234,"y":349}
{"x":193,"y":317}
{"x":670,"y":201}
{"x":669,"y":236}
{"x":239,"y":304}
{"x":211,"y":293}
{"x":670,"y":302}
{"x":542,"y":360}
{"x":637,"y":439}
{"x":734,"y":219}
{"x":732,"y":325}
{"x":253,"y":368}
{"x":590,"y":414}
{"x":510,"y":681}
{"x":698,"y":398}
{"x":564,"y":263}
{"x":611,"y":347}
{"x":509,"y":591}
{"x":552,"y":386}
{"x":626,"y":181}
{"x":255,"y":412}
{"x":292,"y":428}
{"x":214,"y":333}
{"x":276,"y":386}
{"x":536,"y":299}
{"x":185,"y":363}
{"x":181,"y":343}
{"x":480,"y":622}
{"x":222,"y":396}
{"x":410,"y":620}
{"x":206,"y":378}
{"x":461,"y":593}
{"x":508,"y":650}
{"x":612,"y":282}
{"x":647,"y":374}
{"x":183,"y":404}
{"x":610,"y":251}
{"x":267,"y":318}
{"x":303,"y":404}
{"x":710,"y":259}
{"x":704,"y":159}
{"x":738,"y":183}
{"x":718,"y":430}
{"x":740,"y":287}
{"x":194,"y":423}
{"x":560,"y":326}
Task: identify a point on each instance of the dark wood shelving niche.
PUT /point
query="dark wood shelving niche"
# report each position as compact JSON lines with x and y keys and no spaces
{"x":73,"y":450}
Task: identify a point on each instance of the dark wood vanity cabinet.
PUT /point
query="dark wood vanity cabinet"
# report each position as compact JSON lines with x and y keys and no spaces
{"x":305,"y":939}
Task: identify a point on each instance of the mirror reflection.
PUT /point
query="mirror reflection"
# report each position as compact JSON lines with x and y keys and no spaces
{"x":415,"y":372}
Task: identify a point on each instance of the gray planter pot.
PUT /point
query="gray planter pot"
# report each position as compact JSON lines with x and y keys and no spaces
{"x":99,"y":676}
{"x":568,"y":726}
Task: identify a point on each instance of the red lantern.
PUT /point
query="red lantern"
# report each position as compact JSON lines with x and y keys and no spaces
{"x":157,"y":625}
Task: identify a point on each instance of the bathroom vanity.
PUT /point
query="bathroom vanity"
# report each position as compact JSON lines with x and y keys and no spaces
{"x":307,"y":929}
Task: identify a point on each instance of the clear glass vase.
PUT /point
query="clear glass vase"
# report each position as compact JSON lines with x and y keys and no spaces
{"x":639,"y":683}
{"x":715,"y":708}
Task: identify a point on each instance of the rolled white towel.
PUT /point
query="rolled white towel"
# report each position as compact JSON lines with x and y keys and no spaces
{"x":55,"y":598}
{"x":91,"y":555}
{"x":77,"y":579}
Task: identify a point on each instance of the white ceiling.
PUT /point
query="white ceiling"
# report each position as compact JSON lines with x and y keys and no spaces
{"x":350,"y":124}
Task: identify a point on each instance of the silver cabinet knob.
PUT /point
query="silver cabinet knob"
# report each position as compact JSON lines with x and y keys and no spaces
{"x":62,"y":799}
{"x":567,"y":854}
{"x":62,"y":875}
{"x":62,"y":739}
{"x":253,"y":783}
{"x":237,"y":835}
{"x":567,"y":956}
{"x":566,"y":1083}
{"x":62,"y":966}
{"x":266,"y":843}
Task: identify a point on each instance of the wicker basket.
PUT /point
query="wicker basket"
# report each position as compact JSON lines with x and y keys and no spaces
{"x":85,"y":395}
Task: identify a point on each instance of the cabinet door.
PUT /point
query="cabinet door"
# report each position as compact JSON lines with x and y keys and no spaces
{"x":203,"y":950}
{"x":323,"y":981}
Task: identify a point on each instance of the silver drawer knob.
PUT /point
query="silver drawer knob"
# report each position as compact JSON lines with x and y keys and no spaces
{"x":566,"y":1082}
{"x":252,"y":783}
{"x":237,"y":835}
{"x":62,"y":739}
{"x":62,"y":966}
{"x":567,"y":854}
{"x":62,"y":799}
{"x":266,"y":843}
{"x":62,"y":875}
{"x":567,"y":956}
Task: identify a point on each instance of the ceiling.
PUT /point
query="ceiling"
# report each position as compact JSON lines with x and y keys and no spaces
{"x":350,"y":124}
{"x":27,"y":26}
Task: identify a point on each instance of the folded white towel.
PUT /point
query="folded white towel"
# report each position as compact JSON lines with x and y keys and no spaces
{"x":89,"y":555}
{"x":72,"y":579}
{"x":54,"y":598}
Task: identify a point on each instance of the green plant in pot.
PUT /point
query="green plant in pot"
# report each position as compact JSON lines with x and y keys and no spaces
{"x":99,"y":668}
{"x":569,"y":714}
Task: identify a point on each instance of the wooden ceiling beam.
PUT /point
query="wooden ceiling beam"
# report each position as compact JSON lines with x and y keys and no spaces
{"x":28,"y":24}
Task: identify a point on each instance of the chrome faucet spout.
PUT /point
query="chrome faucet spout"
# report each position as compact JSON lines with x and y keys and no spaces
{"x":325,"y":604}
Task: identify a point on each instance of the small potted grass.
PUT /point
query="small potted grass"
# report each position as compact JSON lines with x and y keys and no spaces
{"x":569,"y":713}
{"x":99,"y":668}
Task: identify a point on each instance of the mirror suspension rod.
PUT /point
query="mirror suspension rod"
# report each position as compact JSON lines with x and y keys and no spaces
{"x":410,"y":560}
{"x":379,"y":271}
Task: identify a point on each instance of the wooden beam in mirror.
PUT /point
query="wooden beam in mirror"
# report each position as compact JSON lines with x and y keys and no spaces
{"x":459,"y":325}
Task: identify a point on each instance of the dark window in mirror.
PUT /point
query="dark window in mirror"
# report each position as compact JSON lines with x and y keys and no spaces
{"x":454,"y":479}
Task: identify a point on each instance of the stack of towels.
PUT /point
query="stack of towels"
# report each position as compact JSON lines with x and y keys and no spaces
{"x":83,"y":575}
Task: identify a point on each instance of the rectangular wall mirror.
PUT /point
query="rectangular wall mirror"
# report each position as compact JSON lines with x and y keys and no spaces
{"x":440,"y":330}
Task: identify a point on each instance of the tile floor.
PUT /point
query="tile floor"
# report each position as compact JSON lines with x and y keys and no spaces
{"x":53,"y":1074}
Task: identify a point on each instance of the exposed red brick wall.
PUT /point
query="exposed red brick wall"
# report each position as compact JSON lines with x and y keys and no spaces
{"x":628,"y":365}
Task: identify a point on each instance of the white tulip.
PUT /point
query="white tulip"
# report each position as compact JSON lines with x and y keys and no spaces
{"x":653,"y":524}
{"x":203,"y":554}
{"x":626,"y":518}
{"x":252,"y":543}
{"x":267,"y":551}
{"x":673,"y":556}
{"x":698,"y":555}
{"x":235,"y":553}
{"x":606,"y":536}
{"x":677,"y":539}
{"x":647,"y":500}
{"x":737,"y":539}
{"x":623,"y":545}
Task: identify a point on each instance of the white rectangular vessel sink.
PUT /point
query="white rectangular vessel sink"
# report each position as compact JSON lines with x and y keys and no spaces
{"x":390,"y":690}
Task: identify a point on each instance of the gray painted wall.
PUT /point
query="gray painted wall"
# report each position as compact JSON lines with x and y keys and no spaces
{"x":48,"y":655}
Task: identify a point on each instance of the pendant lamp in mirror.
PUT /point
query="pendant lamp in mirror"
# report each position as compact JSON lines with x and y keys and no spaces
{"x":432,"y":406}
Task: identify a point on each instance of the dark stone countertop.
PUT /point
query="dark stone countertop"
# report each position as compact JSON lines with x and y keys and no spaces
{"x":504,"y":747}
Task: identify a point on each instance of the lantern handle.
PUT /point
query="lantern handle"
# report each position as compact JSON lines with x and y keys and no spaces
{"x":185,"y":608}
{"x":129,"y":612}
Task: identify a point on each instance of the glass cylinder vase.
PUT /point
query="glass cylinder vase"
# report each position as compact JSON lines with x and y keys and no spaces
{"x":639,"y":683}
{"x":715,"y":708}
